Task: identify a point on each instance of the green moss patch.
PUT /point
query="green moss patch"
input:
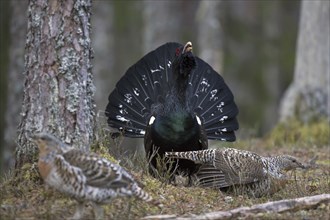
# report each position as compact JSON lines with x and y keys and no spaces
{"x":296,"y":132}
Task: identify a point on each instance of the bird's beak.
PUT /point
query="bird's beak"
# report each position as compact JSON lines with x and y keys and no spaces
{"x":303,"y":166}
{"x":187,"y":48}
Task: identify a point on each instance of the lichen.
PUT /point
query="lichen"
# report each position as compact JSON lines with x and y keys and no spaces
{"x":69,"y":63}
{"x":36,"y":20}
{"x":73,"y":97}
{"x":299,"y":133}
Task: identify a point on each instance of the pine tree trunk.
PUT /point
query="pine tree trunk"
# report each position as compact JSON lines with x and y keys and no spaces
{"x":168,"y":21}
{"x":210,"y":36}
{"x":18,"y":24}
{"x":58,"y":89}
{"x":162,"y":23}
{"x":308,"y":97}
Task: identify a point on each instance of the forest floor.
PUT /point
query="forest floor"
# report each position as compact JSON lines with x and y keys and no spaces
{"x":25,"y":196}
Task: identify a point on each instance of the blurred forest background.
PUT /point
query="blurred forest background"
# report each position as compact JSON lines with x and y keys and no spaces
{"x":252,"y":44}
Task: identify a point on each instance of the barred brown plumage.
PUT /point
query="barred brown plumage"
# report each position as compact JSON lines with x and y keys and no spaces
{"x":83,"y":175}
{"x":244,"y":171}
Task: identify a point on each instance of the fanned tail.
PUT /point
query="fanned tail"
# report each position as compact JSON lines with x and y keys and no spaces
{"x":147,"y":82}
{"x":144,"y":83}
{"x":213,"y":101}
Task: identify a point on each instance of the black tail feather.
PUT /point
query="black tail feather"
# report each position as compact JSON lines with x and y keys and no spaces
{"x":213,"y":101}
{"x":130,"y":103}
{"x":147,"y":81}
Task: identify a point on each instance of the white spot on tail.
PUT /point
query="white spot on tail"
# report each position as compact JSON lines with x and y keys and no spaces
{"x":204,"y":85}
{"x":136,"y":91}
{"x":128,"y":98}
{"x":155,"y":70}
{"x":123,"y":111}
{"x":121,"y":118}
{"x":151,"y":121}
{"x":144,"y":78}
{"x":213,"y":93}
{"x":219,"y":107}
{"x":223,"y":118}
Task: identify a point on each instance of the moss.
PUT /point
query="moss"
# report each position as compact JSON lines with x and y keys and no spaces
{"x":104,"y":152}
{"x":298,"y":133}
{"x":324,"y":162}
{"x":30,"y":172}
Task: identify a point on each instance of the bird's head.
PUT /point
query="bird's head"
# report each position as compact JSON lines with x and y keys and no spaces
{"x":185,"y":60}
{"x":291,"y":163}
{"x":46,"y":142}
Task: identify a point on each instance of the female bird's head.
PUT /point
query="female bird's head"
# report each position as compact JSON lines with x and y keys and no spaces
{"x":184,"y":61}
{"x":47,"y":142}
{"x":291,"y":163}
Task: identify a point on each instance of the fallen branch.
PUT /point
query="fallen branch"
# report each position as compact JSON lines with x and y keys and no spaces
{"x":277,"y":206}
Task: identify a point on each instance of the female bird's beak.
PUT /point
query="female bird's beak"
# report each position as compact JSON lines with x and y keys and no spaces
{"x":303,"y":166}
{"x":187,"y":48}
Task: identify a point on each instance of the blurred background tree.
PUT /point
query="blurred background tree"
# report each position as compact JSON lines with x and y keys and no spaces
{"x":308,"y":97}
{"x":251,"y":43}
{"x":15,"y":78}
{"x":4,"y":57}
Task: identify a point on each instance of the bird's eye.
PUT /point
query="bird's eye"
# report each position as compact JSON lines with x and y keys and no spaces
{"x":177,"y":51}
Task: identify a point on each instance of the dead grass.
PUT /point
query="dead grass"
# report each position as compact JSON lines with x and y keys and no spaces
{"x":25,"y":197}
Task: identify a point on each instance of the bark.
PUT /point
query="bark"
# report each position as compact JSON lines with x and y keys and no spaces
{"x":286,"y":205}
{"x":15,"y":80}
{"x":58,"y":89}
{"x":308,"y":98}
{"x":210,"y":35}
